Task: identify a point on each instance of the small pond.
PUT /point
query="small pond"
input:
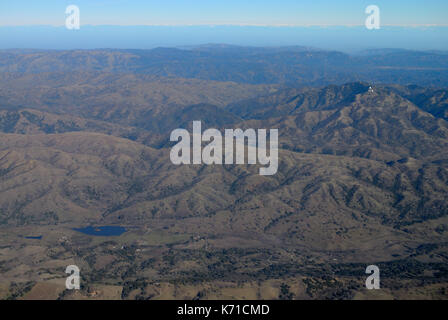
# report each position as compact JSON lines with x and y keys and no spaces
{"x":104,"y":231}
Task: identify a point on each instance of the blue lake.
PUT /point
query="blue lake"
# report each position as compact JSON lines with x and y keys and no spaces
{"x":104,"y":231}
{"x":36,"y":238}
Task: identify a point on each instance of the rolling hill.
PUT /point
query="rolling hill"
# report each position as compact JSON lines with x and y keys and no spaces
{"x":362,"y":176}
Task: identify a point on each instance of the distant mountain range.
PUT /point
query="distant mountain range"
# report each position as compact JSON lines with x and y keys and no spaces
{"x":286,"y":65}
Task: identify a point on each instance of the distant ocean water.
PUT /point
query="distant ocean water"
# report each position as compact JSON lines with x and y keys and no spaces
{"x":146,"y":37}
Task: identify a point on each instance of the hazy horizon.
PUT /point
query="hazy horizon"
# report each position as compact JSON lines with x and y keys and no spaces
{"x":346,"y":39}
{"x":138,"y":24}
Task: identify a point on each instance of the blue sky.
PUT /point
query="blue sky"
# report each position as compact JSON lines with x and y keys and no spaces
{"x":223,"y":12}
{"x":144,"y":24}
